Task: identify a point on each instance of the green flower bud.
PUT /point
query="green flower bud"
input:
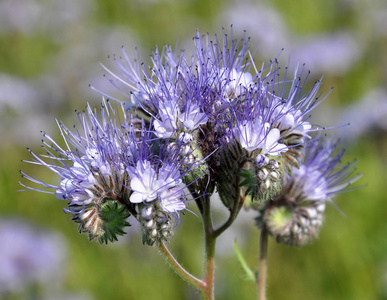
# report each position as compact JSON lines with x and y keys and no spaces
{"x":294,"y":225}
{"x":114,"y":215}
{"x":156,"y":224}
{"x":230,"y":162}
{"x":262,"y":179}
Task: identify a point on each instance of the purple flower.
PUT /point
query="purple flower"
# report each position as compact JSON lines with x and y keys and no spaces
{"x":92,"y":164}
{"x":216,"y":101}
{"x":255,"y":134}
{"x":221,"y":88}
{"x":148,"y":184}
{"x":144,"y":183}
{"x":159,"y":181}
{"x":295,"y":216}
{"x":320,"y":176}
{"x":110,"y":166}
{"x":28,"y":256}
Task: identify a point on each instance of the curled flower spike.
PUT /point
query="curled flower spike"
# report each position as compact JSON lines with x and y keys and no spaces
{"x":296,"y":215}
{"x":109,"y":167}
{"x":92,"y":170}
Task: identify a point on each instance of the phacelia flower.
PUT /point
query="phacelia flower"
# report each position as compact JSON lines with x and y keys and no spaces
{"x":296,"y":215}
{"x":111,"y":166}
{"x":210,"y":119}
{"x":164,"y":184}
{"x":253,"y":135}
{"x":220,"y":93}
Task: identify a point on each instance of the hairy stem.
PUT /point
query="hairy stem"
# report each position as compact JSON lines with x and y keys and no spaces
{"x":184,"y":274}
{"x":238,"y":204}
{"x":210,"y":243}
{"x":262,"y":270}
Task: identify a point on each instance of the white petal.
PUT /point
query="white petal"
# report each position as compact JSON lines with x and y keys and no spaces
{"x":136,"y":197}
{"x":287,"y":121}
{"x":137,"y":185}
{"x":272,"y":138}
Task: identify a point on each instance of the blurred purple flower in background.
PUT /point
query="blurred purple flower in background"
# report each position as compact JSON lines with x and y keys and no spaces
{"x":332,"y":53}
{"x":29,"y":16}
{"x":369,"y":114}
{"x":267,"y":24}
{"x":28,"y":256}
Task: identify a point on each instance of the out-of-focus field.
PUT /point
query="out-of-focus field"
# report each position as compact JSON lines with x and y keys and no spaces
{"x":50,"y":52}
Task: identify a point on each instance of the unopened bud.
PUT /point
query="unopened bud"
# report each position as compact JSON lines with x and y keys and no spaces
{"x":292,"y":225}
{"x":156,"y":224}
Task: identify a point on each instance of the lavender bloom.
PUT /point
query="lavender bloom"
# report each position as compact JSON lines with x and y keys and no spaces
{"x":95,"y":167}
{"x":166,"y":124}
{"x":207,"y":120}
{"x":296,"y":215}
{"x":147,"y":185}
{"x":28,"y":256}
{"x":253,"y":135}
{"x":237,"y":82}
{"x":218,"y":101}
{"x":110,"y":168}
{"x":217,"y":88}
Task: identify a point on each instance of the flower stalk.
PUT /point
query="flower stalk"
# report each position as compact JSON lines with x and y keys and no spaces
{"x":179,"y":269}
{"x":262,"y":268}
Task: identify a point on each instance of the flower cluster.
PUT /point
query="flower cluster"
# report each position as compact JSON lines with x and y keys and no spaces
{"x":191,"y":126}
{"x":111,"y":166}
{"x":295,"y":216}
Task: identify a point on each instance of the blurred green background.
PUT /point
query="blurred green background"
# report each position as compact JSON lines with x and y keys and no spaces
{"x":50,"y":51}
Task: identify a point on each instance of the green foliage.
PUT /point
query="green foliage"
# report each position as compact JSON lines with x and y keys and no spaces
{"x":249,"y":273}
{"x":114,"y":217}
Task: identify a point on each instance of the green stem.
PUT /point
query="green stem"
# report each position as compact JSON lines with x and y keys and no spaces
{"x":238,"y":204}
{"x":184,"y":274}
{"x":210,"y":243}
{"x":206,"y":286}
{"x":262,"y":270}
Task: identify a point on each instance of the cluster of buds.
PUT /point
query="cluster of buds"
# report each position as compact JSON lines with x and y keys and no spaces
{"x":262,"y":179}
{"x":213,"y":122}
{"x":115,"y":170}
{"x":295,"y":216}
{"x":156,"y":224}
{"x":292,"y":224}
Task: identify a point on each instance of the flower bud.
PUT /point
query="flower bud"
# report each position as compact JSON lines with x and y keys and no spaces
{"x":262,"y":178}
{"x":294,"y":225}
{"x":296,"y":149}
{"x":156,"y":224}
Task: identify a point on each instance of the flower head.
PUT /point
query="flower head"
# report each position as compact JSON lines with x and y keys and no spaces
{"x":109,"y":167}
{"x":296,"y":215}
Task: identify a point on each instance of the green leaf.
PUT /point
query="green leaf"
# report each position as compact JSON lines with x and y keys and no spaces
{"x":249,"y":272}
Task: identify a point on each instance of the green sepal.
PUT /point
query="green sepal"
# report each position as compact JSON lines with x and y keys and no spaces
{"x":195,"y":173}
{"x":113,"y":215}
{"x":249,"y":180}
